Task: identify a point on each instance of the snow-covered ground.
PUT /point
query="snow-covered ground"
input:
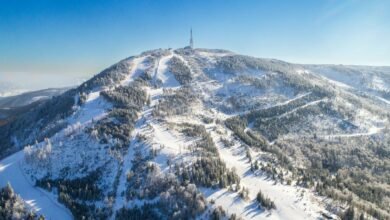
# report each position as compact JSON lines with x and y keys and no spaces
{"x":120,"y":199}
{"x":292,"y":202}
{"x":137,"y":66}
{"x":36,"y":198}
{"x":94,"y":109}
{"x":167,"y":78}
{"x":383,"y":100}
{"x":160,"y":136}
{"x":371,"y":131}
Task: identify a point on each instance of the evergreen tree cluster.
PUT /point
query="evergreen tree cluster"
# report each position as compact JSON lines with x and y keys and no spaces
{"x":108,"y":77}
{"x":38,"y":123}
{"x":193,"y":130}
{"x":13,"y":207}
{"x":244,"y":193}
{"x":275,"y":126}
{"x":285,"y":72}
{"x":179,"y":197}
{"x":175,"y":102}
{"x":347,"y":167}
{"x":209,"y":172}
{"x":226,"y":142}
{"x":265,"y":201}
{"x":252,"y":139}
{"x":178,"y":202}
{"x":131,"y":96}
{"x":205,"y":145}
{"x":120,"y":122}
{"x":218,"y":214}
{"x":238,"y":125}
{"x":76,"y":194}
{"x":145,"y":181}
{"x":180,"y":70}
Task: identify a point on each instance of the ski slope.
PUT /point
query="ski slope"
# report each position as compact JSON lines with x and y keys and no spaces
{"x":36,"y":199}
{"x":167,"y":79}
{"x":292,"y":202}
{"x":137,"y":66}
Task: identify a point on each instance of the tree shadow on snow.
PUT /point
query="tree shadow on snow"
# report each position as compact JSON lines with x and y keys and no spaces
{"x":237,"y":199}
{"x":247,"y":173}
{"x":253,"y":209}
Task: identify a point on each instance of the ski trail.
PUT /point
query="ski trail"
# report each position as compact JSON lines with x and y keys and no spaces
{"x":382,"y":99}
{"x":120,"y":198}
{"x":162,"y":74}
{"x":300,"y":107}
{"x":371,"y":131}
{"x":136,"y":67}
{"x":280,"y":104}
{"x":195,"y":71}
{"x":293,"y":99}
{"x":37,"y":199}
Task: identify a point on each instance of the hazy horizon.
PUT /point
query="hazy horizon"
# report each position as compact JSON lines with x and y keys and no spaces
{"x":21,"y":81}
{"x":53,"y":44}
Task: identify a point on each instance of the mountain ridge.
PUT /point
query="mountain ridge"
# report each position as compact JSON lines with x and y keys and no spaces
{"x":225,"y":128}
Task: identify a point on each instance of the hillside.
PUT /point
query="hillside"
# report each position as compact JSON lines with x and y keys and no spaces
{"x":13,"y":106}
{"x":27,"y":98}
{"x":185,"y":134}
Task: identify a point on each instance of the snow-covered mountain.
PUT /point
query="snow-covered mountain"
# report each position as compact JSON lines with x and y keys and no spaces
{"x":374,"y":81}
{"x":11,"y":107}
{"x":183,"y":134}
{"x":8,"y":89}
{"x":27,"y":98}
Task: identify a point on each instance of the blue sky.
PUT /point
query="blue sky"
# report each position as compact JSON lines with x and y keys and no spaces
{"x":67,"y":39}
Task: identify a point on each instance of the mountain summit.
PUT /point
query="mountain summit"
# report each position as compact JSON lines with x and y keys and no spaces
{"x":201,"y":133}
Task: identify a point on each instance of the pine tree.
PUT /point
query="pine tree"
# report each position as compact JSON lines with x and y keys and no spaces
{"x":349,"y":214}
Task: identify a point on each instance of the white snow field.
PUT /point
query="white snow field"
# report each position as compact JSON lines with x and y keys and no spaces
{"x":167,"y":78}
{"x":37,"y":199}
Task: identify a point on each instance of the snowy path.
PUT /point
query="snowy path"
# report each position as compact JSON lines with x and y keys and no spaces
{"x":371,"y":131}
{"x":382,"y":99}
{"x":36,"y":198}
{"x":281,"y":104}
{"x":300,"y":107}
{"x":293,"y":99}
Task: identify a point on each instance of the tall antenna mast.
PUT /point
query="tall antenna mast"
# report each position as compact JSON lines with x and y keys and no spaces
{"x":191,"y":41}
